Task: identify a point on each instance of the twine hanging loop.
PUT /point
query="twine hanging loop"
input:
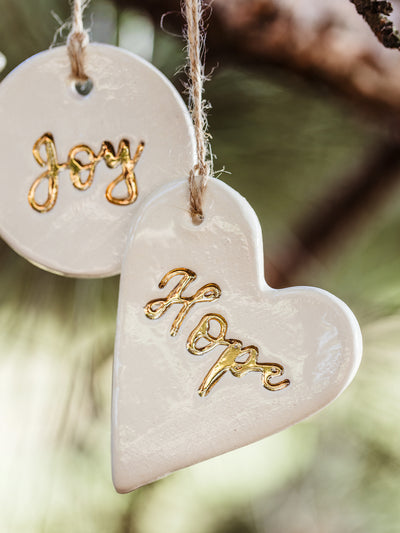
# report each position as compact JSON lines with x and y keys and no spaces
{"x":77,"y":41}
{"x":193,"y":11}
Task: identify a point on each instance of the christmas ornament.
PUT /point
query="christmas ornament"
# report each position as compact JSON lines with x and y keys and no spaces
{"x":208,"y":357}
{"x":78,"y":158}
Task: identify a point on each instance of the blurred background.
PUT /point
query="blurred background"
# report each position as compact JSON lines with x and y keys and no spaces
{"x":305,"y":115}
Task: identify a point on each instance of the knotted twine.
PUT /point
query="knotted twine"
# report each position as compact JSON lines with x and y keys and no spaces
{"x":193,"y":12}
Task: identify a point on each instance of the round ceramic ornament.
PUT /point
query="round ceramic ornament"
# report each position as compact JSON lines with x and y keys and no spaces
{"x":77,"y":161}
{"x":208,"y":357}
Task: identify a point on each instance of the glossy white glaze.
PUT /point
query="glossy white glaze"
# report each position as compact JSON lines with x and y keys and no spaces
{"x":84,"y":235}
{"x":160,"y":423}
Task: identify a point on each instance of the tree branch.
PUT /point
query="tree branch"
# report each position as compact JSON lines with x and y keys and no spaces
{"x":375,"y":13}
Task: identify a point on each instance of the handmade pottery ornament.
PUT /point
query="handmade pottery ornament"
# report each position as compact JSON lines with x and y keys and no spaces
{"x":77,"y":161}
{"x":208,"y":357}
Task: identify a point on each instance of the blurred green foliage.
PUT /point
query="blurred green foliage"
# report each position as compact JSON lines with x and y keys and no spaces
{"x":284,"y":147}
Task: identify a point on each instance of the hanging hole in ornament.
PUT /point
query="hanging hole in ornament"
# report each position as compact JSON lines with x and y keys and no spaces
{"x":198,"y":218}
{"x":84,"y":88}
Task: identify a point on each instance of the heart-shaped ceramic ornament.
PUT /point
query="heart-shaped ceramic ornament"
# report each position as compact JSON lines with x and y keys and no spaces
{"x":208,"y":357}
{"x":77,"y":161}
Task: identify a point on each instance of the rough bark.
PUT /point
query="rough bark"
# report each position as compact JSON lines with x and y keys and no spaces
{"x":376,"y":14}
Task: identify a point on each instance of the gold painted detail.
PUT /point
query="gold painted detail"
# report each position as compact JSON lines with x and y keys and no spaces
{"x":201,"y":340}
{"x":76,"y":168}
{"x":156,"y":308}
{"x":227,"y":360}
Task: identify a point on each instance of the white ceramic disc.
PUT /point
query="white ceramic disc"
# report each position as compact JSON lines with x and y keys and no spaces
{"x":84,"y":234}
{"x":160,"y":421}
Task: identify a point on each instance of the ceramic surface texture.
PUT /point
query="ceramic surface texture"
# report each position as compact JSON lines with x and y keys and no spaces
{"x":160,"y":423}
{"x":84,"y":235}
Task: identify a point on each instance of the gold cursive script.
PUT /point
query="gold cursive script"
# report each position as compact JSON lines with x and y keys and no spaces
{"x":76,"y":168}
{"x":156,"y":308}
{"x":227,"y":360}
{"x":201,"y":341}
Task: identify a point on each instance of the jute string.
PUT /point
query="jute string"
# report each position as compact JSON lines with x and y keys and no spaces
{"x":195,"y":37}
{"x":78,"y":39}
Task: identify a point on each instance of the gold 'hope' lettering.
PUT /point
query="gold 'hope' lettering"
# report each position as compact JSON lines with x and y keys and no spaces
{"x":201,"y":341}
{"x":156,"y":308}
{"x":227,"y":360}
{"x":76,"y":167}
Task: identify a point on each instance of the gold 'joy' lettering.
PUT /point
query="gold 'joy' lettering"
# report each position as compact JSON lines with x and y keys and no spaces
{"x":156,"y":308}
{"x":201,"y":340}
{"x":76,"y":168}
